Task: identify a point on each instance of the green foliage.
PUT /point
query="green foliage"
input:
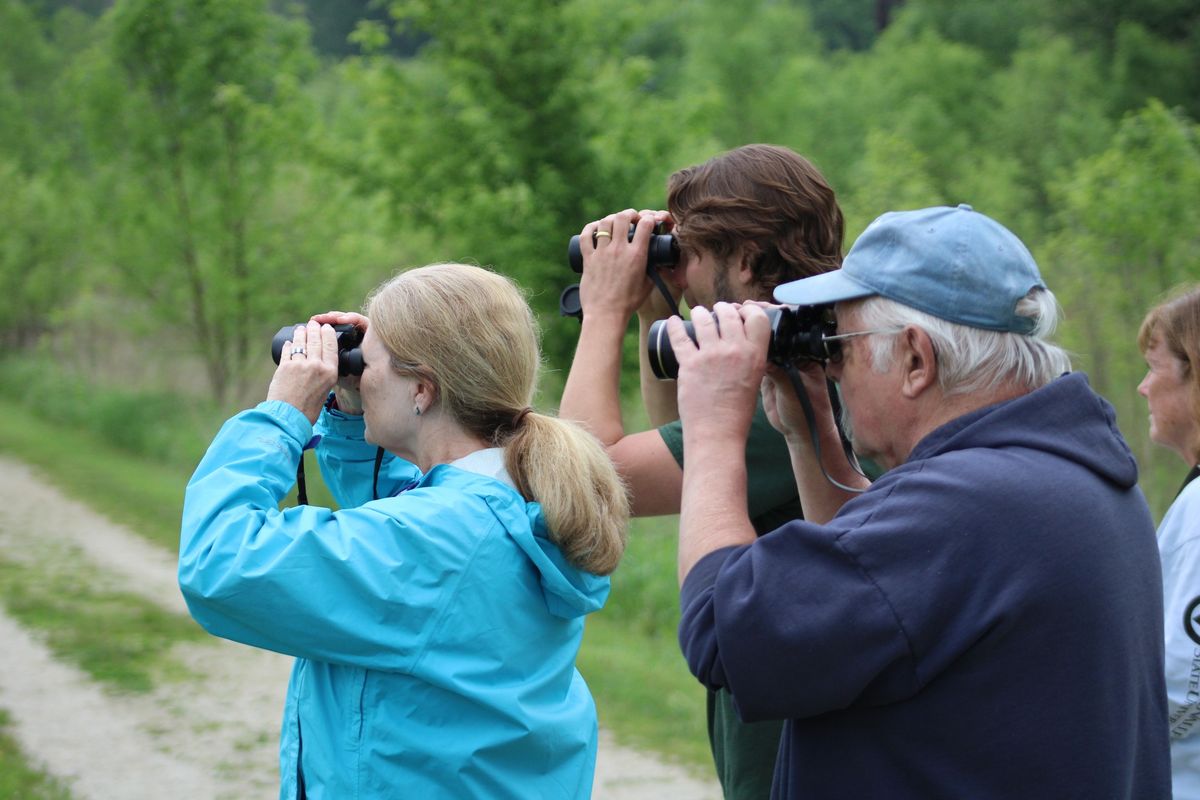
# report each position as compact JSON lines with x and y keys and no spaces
{"x":212,"y":83}
{"x":734,"y":51}
{"x":1125,"y":237}
{"x":645,"y":597}
{"x":20,"y":779}
{"x":994,"y":28}
{"x":28,"y":63}
{"x":38,"y":255}
{"x":212,"y":213}
{"x":849,"y":24}
{"x":1050,"y":111}
{"x":525,"y":92}
{"x":38,"y":251}
{"x":194,"y":155}
{"x":156,"y":425}
{"x":1143,"y":60}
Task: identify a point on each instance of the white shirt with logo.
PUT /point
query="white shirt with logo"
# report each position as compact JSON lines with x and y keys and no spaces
{"x":1179,"y":547}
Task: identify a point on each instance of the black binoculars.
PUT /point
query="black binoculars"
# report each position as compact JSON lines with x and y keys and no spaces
{"x":663,"y":250}
{"x":797,"y":334}
{"x":349,"y":339}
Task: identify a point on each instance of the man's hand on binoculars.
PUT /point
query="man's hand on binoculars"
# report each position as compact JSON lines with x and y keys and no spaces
{"x":614,"y":267}
{"x":721,"y":373}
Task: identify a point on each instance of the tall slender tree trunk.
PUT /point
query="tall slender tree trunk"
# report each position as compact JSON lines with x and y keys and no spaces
{"x":211,"y":348}
{"x":234,"y":207}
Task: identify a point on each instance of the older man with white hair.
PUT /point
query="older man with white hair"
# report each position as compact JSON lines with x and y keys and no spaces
{"x":984,"y":620}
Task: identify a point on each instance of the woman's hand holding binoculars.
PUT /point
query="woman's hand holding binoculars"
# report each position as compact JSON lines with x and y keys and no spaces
{"x":308,"y":369}
{"x":348,"y":399}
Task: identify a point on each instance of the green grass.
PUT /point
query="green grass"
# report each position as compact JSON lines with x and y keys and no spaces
{"x":122,"y":640}
{"x":20,"y":780}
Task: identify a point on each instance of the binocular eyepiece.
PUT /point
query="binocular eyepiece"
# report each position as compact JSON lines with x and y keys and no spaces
{"x":663,"y":250}
{"x":349,"y":339}
{"x":797,"y":334}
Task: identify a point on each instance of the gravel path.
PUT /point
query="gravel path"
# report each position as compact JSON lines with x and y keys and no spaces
{"x":213,"y":736}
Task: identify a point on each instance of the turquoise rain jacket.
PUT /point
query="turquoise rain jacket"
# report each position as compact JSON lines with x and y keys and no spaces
{"x":435,"y":631}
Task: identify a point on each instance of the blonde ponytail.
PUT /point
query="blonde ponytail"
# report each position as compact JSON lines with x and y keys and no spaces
{"x":470,"y":331}
{"x":567,"y":471}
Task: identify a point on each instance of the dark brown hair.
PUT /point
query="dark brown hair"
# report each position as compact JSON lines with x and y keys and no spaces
{"x":766,"y":199}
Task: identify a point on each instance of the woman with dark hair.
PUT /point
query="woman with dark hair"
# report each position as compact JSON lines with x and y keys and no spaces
{"x":435,"y":628}
{"x":1170,"y":341}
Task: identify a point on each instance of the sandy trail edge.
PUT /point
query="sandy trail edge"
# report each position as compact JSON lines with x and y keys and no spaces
{"x":214,"y":736}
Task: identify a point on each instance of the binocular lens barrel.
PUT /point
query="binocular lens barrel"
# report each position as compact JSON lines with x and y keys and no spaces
{"x":797,"y":334}
{"x":662,"y":356}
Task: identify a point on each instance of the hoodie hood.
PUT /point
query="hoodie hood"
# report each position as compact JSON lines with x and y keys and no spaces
{"x":569,"y":591}
{"x":1064,"y":417}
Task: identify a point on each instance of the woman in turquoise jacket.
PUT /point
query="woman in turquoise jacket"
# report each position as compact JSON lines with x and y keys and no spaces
{"x":435,"y":629}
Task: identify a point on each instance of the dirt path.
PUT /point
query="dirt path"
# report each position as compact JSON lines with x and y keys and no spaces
{"x":213,"y":736}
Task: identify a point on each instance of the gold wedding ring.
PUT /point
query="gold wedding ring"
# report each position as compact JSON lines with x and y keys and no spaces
{"x":605,"y":234}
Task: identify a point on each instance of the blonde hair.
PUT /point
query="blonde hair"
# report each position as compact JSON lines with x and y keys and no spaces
{"x":470,"y":333}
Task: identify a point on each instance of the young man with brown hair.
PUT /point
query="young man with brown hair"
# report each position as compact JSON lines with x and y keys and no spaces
{"x":746,"y":221}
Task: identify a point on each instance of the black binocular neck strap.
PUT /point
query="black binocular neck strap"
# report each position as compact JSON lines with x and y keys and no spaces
{"x":375,"y":476}
{"x":811,"y":418}
{"x":666,"y":293}
{"x":301,"y":489}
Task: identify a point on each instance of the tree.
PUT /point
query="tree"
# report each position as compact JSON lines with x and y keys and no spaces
{"x":1125,"y":236}
{"x":206,"y":115}
{"x":42,"y":217}
{"x":1050,"y":109}
{"x":498,"y":141}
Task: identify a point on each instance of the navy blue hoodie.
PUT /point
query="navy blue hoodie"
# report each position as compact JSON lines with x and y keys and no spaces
{"x":984,"y":622}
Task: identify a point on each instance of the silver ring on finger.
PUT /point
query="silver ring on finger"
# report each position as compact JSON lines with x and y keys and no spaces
{"x":296,"y":351}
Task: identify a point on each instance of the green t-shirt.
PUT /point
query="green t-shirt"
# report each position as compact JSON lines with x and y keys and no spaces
{"x":770,"y":486}
{"x":744,"y":753}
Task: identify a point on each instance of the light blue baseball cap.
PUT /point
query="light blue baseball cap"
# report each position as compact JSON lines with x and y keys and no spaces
{"x":951,"y":262}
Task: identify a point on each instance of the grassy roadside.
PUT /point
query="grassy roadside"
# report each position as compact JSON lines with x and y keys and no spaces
{"x":122,"y":640}
{"x":629,"y":657}
{"x":20,"y":780}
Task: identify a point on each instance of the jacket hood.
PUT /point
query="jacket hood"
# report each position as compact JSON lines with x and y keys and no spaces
{"x":569,"y":591}
{"x":1064,"y":417}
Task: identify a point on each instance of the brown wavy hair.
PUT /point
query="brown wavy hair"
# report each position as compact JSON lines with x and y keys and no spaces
{"x":1176,"y":323}
{"x":767,"y":200}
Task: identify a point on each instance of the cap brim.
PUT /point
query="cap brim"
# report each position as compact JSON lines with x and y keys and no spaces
{"x":824,"y":289}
